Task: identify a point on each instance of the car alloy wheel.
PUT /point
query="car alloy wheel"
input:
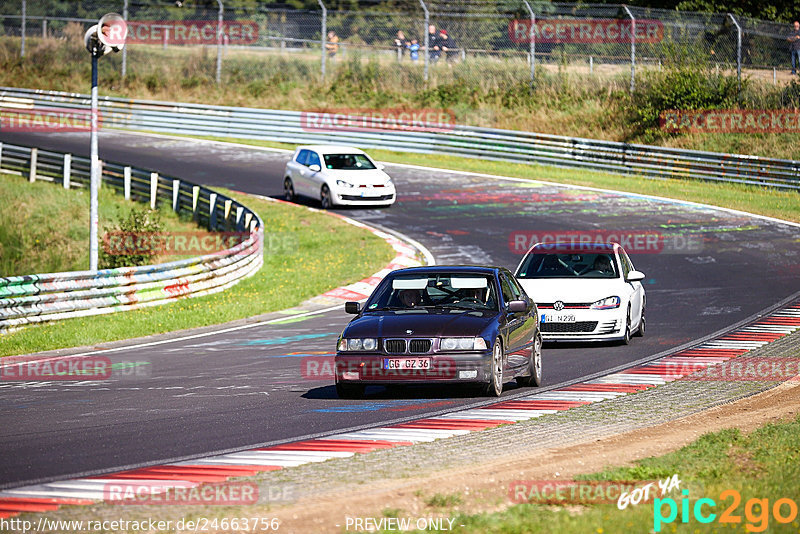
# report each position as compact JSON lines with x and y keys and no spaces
{"x":495,"y":386}
{"x":325,"y":198}
{"x":534,"y":377}
{"x":349,"y":391}
{"x":288,"y":190}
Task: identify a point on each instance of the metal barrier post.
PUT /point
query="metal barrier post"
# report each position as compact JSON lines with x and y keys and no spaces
{"x":34,"y":157}
{"x":324,"y":39}
{"x":738,"y":50}
{"x":176,"y":191}
{"x":532,"y":32}
{"x":427,"y":36}
{"x":22,"y":28}
{"x":633,"y":47}
{"x":220,"y":16}
{"x":125,"y":49}
{"x":126,"y":178}
{"x":67,"y":169}
{"x":153,"y":189}
{"x":44,"y":28}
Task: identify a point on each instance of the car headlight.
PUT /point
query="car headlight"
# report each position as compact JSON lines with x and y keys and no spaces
{"x":352,"y":344}
{"x":608,"y":303}
{"x":342,"y":183}
{"x":462,"y":343}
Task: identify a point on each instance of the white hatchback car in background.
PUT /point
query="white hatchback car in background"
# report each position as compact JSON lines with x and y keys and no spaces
{"x":337,"y":176}
{"x":584,"y":292}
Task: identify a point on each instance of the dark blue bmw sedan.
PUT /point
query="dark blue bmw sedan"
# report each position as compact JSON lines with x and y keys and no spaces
{"x":441,"y":324}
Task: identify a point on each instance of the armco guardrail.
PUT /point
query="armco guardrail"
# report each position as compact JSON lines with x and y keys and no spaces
{"x":484,"y":143}
{"x":45,"y":297}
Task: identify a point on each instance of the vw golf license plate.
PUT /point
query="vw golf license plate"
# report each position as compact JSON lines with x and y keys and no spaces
{"x":558,"y":317}
{"x":406,"y":363}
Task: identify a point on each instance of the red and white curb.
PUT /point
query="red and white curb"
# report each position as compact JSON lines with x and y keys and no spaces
{"x":220,"y":468}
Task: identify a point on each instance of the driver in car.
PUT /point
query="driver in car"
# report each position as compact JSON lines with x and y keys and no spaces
{"x":410,"y":297}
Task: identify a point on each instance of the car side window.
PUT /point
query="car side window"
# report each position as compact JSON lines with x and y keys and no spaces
{"x":313,"y":159}
{"x":508,"y":296}
{"x":516,"y":290}
{"x":626,"y":264}
{"x":302,"y":156}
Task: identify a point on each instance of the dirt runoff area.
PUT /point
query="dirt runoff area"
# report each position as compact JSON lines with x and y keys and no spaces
{"x":484,"y":487}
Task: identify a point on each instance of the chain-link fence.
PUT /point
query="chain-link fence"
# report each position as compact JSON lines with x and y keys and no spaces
{"x":413,"y":44}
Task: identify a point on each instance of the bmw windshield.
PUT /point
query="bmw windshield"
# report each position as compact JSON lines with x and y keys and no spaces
{"x":436,"y":291}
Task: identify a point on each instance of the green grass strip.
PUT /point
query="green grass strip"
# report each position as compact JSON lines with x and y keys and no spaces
{"x":306,"y":253}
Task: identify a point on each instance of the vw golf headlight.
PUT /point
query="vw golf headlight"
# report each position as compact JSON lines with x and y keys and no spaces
{"x":342,"y":183}
{"x":608,"y":303}
{"x":462,"y":343}
{"x":352,"y":344}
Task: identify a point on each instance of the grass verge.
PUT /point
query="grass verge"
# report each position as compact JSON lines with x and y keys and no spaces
{"x":306,"y":259}
{"x":44,"y":229}
{"x":760,"y":200}
{"x":757,"y":470}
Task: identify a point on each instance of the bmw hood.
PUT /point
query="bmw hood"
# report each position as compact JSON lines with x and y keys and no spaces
{"x":572,"y":290}
{"x":422,"y":323}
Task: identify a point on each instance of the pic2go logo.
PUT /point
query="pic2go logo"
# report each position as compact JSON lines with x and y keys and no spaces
{"x":756,"y":511}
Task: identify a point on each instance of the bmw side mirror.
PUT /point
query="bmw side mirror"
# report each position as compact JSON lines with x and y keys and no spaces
{"x":517,"y":306}
{"x":352,"y":307}
{"x":635,"y":276}
{"x":381,"y":166}
{"x":315,"y":167}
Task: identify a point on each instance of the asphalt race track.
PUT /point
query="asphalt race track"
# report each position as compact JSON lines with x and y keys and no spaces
{"x":243,"y":388}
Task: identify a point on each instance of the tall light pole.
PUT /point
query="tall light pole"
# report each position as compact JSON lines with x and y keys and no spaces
{"x":106,"y":36}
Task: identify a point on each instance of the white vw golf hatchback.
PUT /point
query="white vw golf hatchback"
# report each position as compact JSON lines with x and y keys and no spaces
{"x":584,"y":292}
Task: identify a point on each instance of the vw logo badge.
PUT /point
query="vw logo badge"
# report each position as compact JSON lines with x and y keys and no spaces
{"x":558,"y":305}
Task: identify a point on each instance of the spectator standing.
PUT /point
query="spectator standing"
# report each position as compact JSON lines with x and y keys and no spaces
{"x":448,"y":45}
{"x":413,"y":50}
{"x":332,"y":45}
{"x":794,"y":46}
{"x":433,"y":44}
{"x":400,"y":43}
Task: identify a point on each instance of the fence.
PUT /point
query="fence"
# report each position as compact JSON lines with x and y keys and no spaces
{"x":468,"y":141}
{"x":504,"y":42}
{"x":45,"y":297}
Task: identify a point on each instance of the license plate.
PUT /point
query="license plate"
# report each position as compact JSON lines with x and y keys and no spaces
{"x":406,"y":363}
{"x":558,"y":318}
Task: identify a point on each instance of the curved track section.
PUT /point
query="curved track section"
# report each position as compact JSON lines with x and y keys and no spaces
{"x":234,"y":390}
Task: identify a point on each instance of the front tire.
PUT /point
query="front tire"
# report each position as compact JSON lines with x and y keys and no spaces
{"x":640,"y":331}
{"x":325,"y":198}
{"x":626,"y":340}
{"x":288,"y":190}
{"x":535,"y":366}
{"x":495,"y":386}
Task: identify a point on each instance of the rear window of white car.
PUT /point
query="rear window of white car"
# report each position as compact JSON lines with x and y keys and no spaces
{"x":348,"y":162}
